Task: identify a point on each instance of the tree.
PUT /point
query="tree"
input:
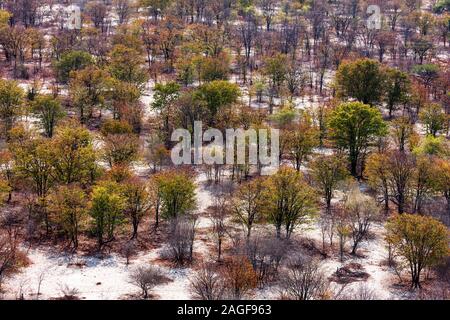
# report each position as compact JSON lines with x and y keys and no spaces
{"x":300,"y":138}
{"x":218,"y":214}
{"x":422,"y":241}
{"x":249,"y":202}
{"x":303,"y":279}
{"x":73,"y":155}
{"x":218,"y":94}
{"x":292,"y":201}
{"x":402,"y":131}
{"x":16,"y":41}
{"x":432,"y":146}
{"x":49,"y":111}
{"x":72,"y":61}
{"x":68,"y":209}
{"x":137,"y":202}
{"x":400,"y":169}
{"x":275,"y":68}
{"x":121,"y":149}
{"x":165,"y":95}
{"x":377,"y":171}
{"x":9,"y":254}
{"x":147,"y":278}
{"x":207,"y":284}
{"x":124,"y":9}
{"x":265,"y":254}
{"x":433,"y":118}
{"x":354,"y":126}
{"x":421,"y":46}
{"x":181,"y":239}
{"x":361,"y":211}
{"x":106,"y":208}
{"x":397,"y":86}
{"x":156,"y":7}
{"x":442,"y":179}
{"x":423,"y":181}
{"x":239,"y":277}
{"x":89,"y":88}
{"x":97,"y":12}
{"x":327,"y":172}
{"x":362,"y":79}
{"x":163,"y":101}
{"x":10,"y":101}
{"x":8,"y":173}
{"x":33,"y":159}
{"x":426,"y":73}
{"x":126,"y":64}
{"x":342,"y":229}
{"x":177,"y":192}
{"x":214,"y":68}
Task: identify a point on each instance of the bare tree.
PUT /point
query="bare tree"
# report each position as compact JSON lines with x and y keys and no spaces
{"x":123,"y":9}
{"x":40,"y":279}
{"x":361,"y":211}
{"x":218,"y":214}
{"x":128,"y":249}
{"x":8,"y":253}
{"x":69,"y":293}
{"x":303,"y":279}
{"x":147,"y":278}
{"x":207,"y":284}
{"x":181,"y":239}
{"x":265,"y":254}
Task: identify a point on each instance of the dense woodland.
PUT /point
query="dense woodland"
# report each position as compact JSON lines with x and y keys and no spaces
{"x":358,"y":209}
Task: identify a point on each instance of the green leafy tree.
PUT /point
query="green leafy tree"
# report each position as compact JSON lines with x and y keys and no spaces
{"x":89,"y":89}
{"x":275,"y":69}
{"x":72,"y":61}
{"x":249,"y":203}
{"x":11,"y":96}
{"x":156,"y":7}
{"x":292,"y":201}
{"x":299,"y":139}
{"x":354,"y":126}
{"x":397,"y":87}
{"x":177,"y":193}
{"x":33,"y":160}
{"x":327,"y":172}
{"x":433,"y":117}
{"x":126,"y":64}
{"x":441,"y":173}
{"x":427,"y":73}
{"x":106,"y":208}
{"x":165,"y":95}
{"x":433,"y":146}
{"x":121,"y":145}
{"x":362,"y":80}
{"x":73,"y":155}
{"x":49,"y":111}
{"x":422,"y":241}
{"x":214,"y":68}
{"x":402,"y":131}
{"x":138,"y":202}
{"x":218,"y":94}
{"x":68,"y":207}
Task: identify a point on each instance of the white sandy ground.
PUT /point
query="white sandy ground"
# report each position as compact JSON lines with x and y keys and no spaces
{"x":110,"y":278}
